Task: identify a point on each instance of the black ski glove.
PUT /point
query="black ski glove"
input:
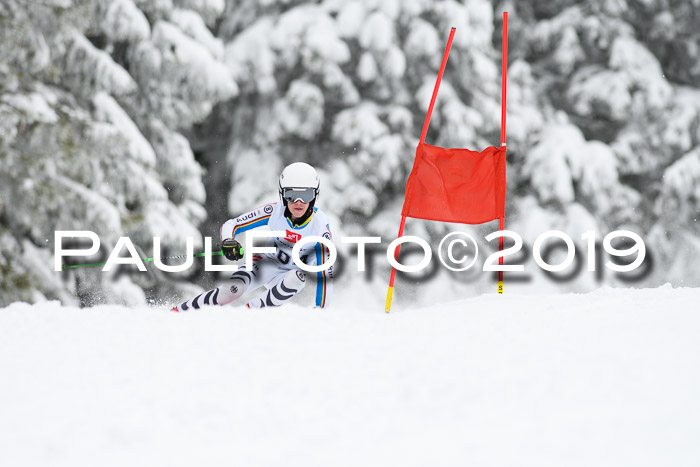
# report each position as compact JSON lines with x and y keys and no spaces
{"x":232,"y":249}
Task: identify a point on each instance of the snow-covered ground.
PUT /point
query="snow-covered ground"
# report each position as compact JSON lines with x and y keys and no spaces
{"x":609,"y":378}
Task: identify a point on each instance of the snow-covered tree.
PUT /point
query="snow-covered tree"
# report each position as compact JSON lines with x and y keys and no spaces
{"x":93,"y":97}
{"x":604,"y":66}
{"x":145,"y":118}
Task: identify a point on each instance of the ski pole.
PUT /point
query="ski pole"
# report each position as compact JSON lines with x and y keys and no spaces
{"x":213,"y":253}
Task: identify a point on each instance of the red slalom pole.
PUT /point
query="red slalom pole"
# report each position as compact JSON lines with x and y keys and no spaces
{"x":390,"y":291}
{"x":504,"y":71}
{"x":437,"y":86}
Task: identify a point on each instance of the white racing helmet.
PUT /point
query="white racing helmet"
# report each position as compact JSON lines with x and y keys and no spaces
{"x":299,"y":181}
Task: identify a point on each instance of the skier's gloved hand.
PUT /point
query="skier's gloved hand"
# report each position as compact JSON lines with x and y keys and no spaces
{"x":232,"y":249}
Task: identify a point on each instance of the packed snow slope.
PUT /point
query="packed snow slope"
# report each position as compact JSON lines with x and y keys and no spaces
{"x":603,"y":379}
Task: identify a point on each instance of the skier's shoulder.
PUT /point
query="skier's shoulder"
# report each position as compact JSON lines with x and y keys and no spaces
{"x":263,"y":210}
{"x":321,"y":217}
{"x":322,"y":225}
{"x":274,"y":208}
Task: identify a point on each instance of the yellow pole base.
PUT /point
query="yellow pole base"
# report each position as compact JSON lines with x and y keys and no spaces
{"x":500,"y":286}
{"x":389,"y":294}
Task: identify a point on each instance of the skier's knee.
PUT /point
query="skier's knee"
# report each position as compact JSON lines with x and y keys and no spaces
{"x":291,"y":284}
{"x":232,"y":291}
{"x":240,"y":281}
{"x":294,"y":281}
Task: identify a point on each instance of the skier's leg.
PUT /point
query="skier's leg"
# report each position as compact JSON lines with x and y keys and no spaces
{"x":289,"y":284}
{"x":240,"y":282}
{"x":263,"y":270}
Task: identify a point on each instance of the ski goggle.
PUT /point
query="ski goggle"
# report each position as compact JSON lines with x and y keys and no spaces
{"x":305,"y":195}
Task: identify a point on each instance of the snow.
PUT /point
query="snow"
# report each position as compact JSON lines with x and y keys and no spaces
{"x":598,"y":175}
{"x":569,"y":52}
{"x":193,"y":25}
{"x":156,"y":9}
{"x":123,"y":291}
{"x":161,"y":216}
{"x":93,"y":70}
{"x":367,"y":68}
{"x":195,"y":56}
{"x":321,"y":42}
{"x":97,"y":211}
{"x":394,"y":63}
{"x":563,"y":157}
{"x":174,"y":158}
{"x":644,"y":71}
{"x":603,"y":379}
{"x":629,"y":55}
{"x":422,"y":41}
{"x":307,"y":31}
{"x":351,"y":19}
{"x":682,"y":130}
{"x":415,"y":7}
{"x":377,"y":33}
{"x":633,"y":83}
{"x":601,"y":93}
{"x":524,"y":114}
{"x":340,"y":88}
{"x":460,"y":125}
{"x":453,"y":15}
{"x":359,"y":125}
{"x":250,"y":59}
{"x":481,"y":20}
{"x":32,"y":106}
{"x":251,"y":186}
{"x":399,"y":119}
{"x":209,"y":10}
{"x":136,"y":146}
{"x":391,"y":8}
{"x":537,"y":220}
{"x":123,"y":21}
{"x":28,"y":48}
{"x":680,"y":190}
{"x":301,"y":111}
{"x":184,"y":80}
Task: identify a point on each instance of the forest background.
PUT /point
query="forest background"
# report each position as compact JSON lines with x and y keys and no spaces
{"x":164,"y":118}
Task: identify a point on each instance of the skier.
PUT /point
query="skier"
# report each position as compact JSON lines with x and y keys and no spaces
{"x":294,"y":214}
